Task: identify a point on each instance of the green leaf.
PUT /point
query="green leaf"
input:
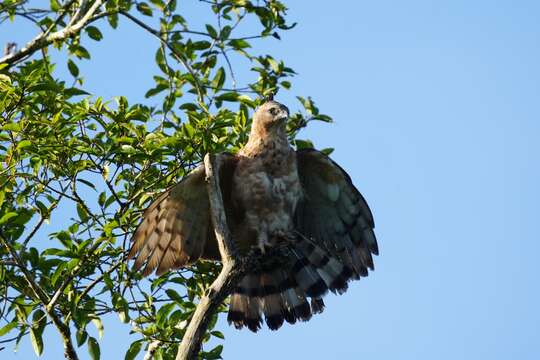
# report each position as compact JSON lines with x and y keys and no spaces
{"x":69,"y":92}
{"x":37,"y":340}
{"x":228,"y":96}
{"x":122,"y":308}
{"x":128,"y":149}
{"x":133,"y":350}
{"x":303,"y":144}
{"x":217,"y":334}
{"x":81,"y":52}
{"x":201,"y":45}
{"x":113,"y":20}
{"x":105,"y":173}
{"x":12,"y":127}
{"x":7,"y":328}
{"x":322,"y":117}
{"x":327,"y":151}
{"x":219,"y":79}
{"x":239,"y":44}
{"x":73,"y":69}
{"x":81,"y":211}
{"x":99,"y":326}
{"x":101,"y":199}
{"x":93,"y":348}
{"x":215,"y":353}
{"x":55,"y":6}
{"x":4,"y":219}
{"x":211,"y":31}
{"x":87,"y":183}
{"x":274,"y":64}
{"x":56,"y":275}
{"x":45,"y":86}
{"x":23,"y":144}
{"x":225,"y":32}
{"x":144,"y":9}
{"x":23,"y":216}
{"x":154,"y":91}
{"x":163,"y":312}
{"x":94,"y":33}
{"x":174,"y":296}
{"x":81,"y":336}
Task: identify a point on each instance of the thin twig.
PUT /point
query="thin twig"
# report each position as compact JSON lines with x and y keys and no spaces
{"x":98,"y":279}
{"x":180,"y":57}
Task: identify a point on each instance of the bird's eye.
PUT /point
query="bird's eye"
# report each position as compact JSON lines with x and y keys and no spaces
{"x":273,"y":111}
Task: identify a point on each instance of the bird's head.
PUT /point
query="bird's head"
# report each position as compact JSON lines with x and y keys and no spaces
{"x":271,"y":116}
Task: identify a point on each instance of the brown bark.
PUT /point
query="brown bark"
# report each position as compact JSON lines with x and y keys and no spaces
{"x":233,"y":267}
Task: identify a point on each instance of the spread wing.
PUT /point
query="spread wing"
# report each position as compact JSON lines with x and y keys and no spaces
{"x":333,"y":213}
{"x":175,"y":229}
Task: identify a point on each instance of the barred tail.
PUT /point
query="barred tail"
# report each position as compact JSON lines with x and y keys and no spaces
{"x":280,"y":291}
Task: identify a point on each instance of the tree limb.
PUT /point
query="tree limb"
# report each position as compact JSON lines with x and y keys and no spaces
{"x":233,"y":267}
{"x":44,"y":39}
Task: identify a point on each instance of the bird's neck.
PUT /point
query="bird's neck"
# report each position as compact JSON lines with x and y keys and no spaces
{"x":266,"y":140}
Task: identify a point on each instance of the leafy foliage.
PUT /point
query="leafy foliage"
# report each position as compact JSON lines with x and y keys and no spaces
{"x":103,"y":161}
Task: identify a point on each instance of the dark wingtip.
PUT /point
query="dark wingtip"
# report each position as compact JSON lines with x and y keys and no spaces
{"x":363,"y":271}
{"x":374,"y":248}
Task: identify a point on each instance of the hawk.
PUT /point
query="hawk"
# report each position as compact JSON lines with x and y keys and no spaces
{"x":299,"y":209}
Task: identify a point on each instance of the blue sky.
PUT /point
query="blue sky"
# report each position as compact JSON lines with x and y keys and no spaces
{"x":437,"y":119}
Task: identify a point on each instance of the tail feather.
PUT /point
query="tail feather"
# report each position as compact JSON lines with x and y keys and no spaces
{"x":317,"y":305}
{"x":237,"y":310}
{"x":334,"y":273}
{"x":291,"y":290}
{"x":253,"y":319}
{"x":272,"y":302}
{"x":307,"y":278}
{"x":292,"y":302}
{"x":303,"y":311}
{"x":245,"y":307}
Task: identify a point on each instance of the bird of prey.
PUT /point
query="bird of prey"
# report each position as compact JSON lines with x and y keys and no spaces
{"x":299,"y":209}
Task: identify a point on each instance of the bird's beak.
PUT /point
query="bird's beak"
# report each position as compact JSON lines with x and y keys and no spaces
{"x":283,"y":115}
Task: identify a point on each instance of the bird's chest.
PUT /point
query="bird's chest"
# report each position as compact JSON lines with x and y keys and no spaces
{"x":268,"y":182}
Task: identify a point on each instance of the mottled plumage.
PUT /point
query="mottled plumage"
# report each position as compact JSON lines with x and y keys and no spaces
{"x":299,"y":208}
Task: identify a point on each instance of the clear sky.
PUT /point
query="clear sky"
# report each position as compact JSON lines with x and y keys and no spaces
{"x":437,"y":119}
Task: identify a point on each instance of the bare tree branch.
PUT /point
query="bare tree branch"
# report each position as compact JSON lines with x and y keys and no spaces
{"x":230,"y":274}
{"x":45,"y":39}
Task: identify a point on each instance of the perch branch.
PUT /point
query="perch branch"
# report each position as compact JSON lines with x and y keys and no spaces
{"x":233,"y":267}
